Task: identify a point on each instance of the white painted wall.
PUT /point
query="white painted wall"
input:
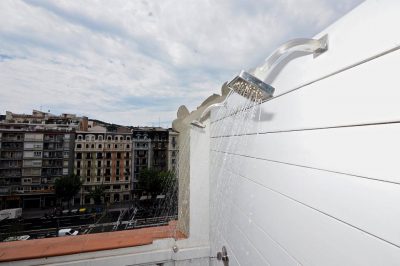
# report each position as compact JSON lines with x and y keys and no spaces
{"x":316,"y":181}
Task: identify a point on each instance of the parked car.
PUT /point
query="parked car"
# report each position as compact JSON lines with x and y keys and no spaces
{"x":16,"y":238}
{"x":67,"y":232}
{"x":10,"y":214}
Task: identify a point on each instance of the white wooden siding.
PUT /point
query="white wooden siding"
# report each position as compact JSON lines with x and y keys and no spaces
{"x":317,"y":180}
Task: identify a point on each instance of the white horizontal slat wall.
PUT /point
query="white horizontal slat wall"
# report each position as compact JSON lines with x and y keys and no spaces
{"x":312,"y":177}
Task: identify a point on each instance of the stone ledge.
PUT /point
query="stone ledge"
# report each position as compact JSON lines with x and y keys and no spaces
{"x":59,"y":246}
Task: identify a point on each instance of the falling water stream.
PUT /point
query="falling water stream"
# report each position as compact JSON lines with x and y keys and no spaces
{"x":229,"y":126}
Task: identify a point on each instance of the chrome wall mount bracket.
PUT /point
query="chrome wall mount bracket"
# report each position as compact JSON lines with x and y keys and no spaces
{"x":324,"y":46}
{"x":223,"y":256}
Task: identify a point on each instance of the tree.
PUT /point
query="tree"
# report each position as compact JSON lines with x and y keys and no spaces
{"x":67,"y":187}
{"x":156,"y":182}
{"x":97,"y":194}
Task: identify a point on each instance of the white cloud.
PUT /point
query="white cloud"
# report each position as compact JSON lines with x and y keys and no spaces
{"x":135,"y":62}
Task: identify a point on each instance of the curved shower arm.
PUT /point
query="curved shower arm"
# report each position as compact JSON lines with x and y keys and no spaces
{"x":304,"y":45}
{"x":254,"y":83}
{"x":209,"y":108}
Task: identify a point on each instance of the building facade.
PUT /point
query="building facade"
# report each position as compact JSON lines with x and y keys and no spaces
{"x":30,"y":162}
{"x":150,"y":151}
{"x":104,"y":159}
{"x":173,"y":150}
{"x":37,"y":149}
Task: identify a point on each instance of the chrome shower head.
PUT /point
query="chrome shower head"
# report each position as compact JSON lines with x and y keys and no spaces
{"x":251,"y":87}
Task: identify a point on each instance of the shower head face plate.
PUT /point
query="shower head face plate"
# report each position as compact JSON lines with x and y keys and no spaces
{"x":251,"y":87}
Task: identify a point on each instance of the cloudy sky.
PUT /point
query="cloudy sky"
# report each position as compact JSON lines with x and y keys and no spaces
{"x":135,"y":62}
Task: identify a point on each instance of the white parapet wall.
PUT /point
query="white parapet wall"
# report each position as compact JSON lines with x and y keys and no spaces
{"x":312,"y":177}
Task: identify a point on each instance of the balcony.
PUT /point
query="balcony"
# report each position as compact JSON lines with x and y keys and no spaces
{"x":11,"y":157}
{"x":58,"y":139}
{"x":12,"y":139}
{"x":12,"y":147}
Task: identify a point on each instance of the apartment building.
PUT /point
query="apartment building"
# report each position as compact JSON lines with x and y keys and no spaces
{"x":30,"y":161}
{"x":173,"y":149}
{"x":104,"y":159}
{"x":67,"y":121}
{"x":37,"y":149}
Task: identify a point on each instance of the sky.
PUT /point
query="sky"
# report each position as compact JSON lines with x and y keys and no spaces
{"x":135,"y":62}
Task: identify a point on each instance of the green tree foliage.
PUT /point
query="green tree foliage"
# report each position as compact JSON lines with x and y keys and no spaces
{"x":156,"y":182}
{"x":97,"y":194}
{"x":67,"y":187}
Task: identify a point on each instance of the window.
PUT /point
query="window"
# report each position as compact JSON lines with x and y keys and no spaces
{"x":117,"y":172}
{"x":108,"y":155}
{"x":100,"y":137}
{"x":126,"y":163}
{"x":37,"y":154}
{"x":98,"y":172}
{"x":100,"y":146}
{"x":108,"y":163}
{"x":79,"y":146}
{"x":116,"y":146}
{"x":127,"y":155}
{"x":98,"y":163}
{"x":118,"y":155}
{"x":107,"y":179}
{"x":87,"y":138}
{"x":88,"y":180}
{"x":128,"y":138}
{"x":78,"y":164}
{"x":92,"y":146}
{"x":128,"y":146}
{"x":87,"y":146}
{"x":79,"y":155}
{"x":79,"y":137}
{"x":89,"y":164}
{"x":88,"y":172}
{"x":117,"y":163}
{"x":78,"y":172}
{"x":108,"y":137}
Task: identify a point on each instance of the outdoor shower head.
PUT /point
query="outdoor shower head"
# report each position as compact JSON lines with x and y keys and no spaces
{"x":251,"y":87}
{"x":254,"y":86}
